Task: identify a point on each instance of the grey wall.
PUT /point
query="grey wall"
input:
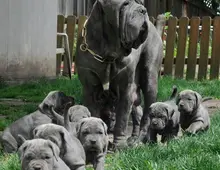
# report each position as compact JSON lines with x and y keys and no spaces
{"x":27,"y":38}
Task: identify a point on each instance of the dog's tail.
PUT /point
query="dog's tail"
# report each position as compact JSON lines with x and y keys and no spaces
{"x":174,"y":93}
{"x":206,"y":99}
{"x":161,"y":22}
{"x":66,"y":116}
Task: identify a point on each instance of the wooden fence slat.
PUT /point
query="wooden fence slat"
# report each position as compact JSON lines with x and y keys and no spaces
{"x":181,"y":49}
{"x":70,"y":30}
{"x":81,"y":21}
{"x":215,"y":60}
{"x":170,"y":42}
{"x":192,"y":52}
{"x":60,"y":29}
{"x":204,"y":48}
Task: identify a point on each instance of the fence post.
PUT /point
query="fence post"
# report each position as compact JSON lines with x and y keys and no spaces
{"x":214,"y":72}
{"x":204,"y":48}
{"x":181,"y":49}
{"x":170,"y":42}
{"x":70,"y":30}
{"x":192,"y":52}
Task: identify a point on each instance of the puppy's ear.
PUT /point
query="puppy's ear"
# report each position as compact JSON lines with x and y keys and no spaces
{"x":35,"y":132}
{"x":22,"y":149}
{"x":78,"y":126}
{"x":54,"y":148}
{"x":170,"y":112}
{"x":105,"y":127}
{"x":177,"y":99}
{"x":198,"y":99}
{"x":21,"y":138}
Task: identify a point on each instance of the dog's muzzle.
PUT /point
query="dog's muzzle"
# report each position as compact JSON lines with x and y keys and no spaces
{"x":38,"y":165}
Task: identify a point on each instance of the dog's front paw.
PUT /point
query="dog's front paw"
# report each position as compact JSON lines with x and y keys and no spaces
{"x":190,"y":131}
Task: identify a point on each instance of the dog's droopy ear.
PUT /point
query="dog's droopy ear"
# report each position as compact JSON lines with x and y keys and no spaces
{"x":198,"y":99}
{"x":22,"y":149}
{"x":21,"y":138}
{"x":170,"y":111}
{"x":79,"y":125}
{"x":105,"y":127}
{"x":54,"y":148}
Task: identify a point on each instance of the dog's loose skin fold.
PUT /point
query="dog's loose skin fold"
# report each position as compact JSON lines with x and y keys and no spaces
{"x":121,"y":33}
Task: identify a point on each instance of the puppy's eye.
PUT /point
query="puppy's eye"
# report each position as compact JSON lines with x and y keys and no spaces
{"x":47,"y":157}
{"x":85,"y":133}
{"x":100,"y":132}
{"x":189,"y":99}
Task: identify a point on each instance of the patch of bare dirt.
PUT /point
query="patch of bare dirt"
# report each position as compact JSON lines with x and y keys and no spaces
{"x":14,"y":102}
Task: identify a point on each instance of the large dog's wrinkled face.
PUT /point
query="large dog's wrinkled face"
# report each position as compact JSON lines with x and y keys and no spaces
{"x":78,"y":112}
{"x":160,"y":113}
{"x":128,"y":20}
{"x":92,"y":132}
{"x":133,"y":24}
{"x":188,"y":101}
{"x":57,"y":100}
{"x":38,"y":154}
{"x":52,"y":132}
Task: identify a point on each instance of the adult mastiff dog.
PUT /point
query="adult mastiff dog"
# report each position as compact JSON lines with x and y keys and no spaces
{"x":120,"y":51}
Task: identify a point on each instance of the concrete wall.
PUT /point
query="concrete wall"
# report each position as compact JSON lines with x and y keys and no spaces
{"x":28,"y":39}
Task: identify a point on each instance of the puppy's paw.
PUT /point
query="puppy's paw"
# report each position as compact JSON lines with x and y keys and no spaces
{"x":190,"y":131}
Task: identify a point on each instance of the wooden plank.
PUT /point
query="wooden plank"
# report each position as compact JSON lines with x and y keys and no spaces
{"x":70,"y":30}
{"x":170,"y":42}
{"x":81,"y":22}
{"x":60,"y":29}
{"x":181,"y":49}
{"x":215,"y":59}
{"x":192,"y":52}
{"x":204,"y":48}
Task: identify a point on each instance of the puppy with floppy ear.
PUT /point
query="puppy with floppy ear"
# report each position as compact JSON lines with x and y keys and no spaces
{"x":71,"y":150}
{"x":92,"y":133}
{"x":71,"y":116}
{"x":26,"y":124}
{"x":194,"y":117}
{"x":40,"y":154}
{"x":164,"y":119}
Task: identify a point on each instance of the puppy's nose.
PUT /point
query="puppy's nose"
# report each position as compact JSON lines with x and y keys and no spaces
{"x":181,"y":104}
{"x":37,"y":168}
{"x":154,"y":123}
{"x":92,"y":141}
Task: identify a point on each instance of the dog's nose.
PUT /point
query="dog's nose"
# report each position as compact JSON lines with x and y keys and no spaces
{"x":92,"y":141}
{"x":37,"y":168}
{"x":181,"y":104}
{"x":154,"y":122}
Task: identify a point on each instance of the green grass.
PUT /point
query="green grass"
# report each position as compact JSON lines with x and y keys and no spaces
{"x":199,"y":152}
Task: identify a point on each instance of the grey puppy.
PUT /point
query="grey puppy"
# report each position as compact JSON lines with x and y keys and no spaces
{"x":26,"y":124}
{"x":120,"y":51}
{"x":71,"y":150}
{"x":92,"y":133}
{"x":164,"y":119}
{"x":194,"y":117}
{"x":72,"y":115}
{"x":40,"y":154}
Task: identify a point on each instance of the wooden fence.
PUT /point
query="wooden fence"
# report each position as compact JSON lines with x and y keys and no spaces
{"x":191,"y":46}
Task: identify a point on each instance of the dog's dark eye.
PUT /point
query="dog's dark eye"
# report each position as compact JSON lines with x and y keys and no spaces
{"x":189,"y":99}
{"x":126,"y":3}
{"x":85,"y":133}
{"x":47,"y":157}
{"x":100,"y":132}
{"x":142,"y":11}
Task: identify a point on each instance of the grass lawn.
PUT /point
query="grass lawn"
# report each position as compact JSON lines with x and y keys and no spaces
{"x":199,"y":152}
